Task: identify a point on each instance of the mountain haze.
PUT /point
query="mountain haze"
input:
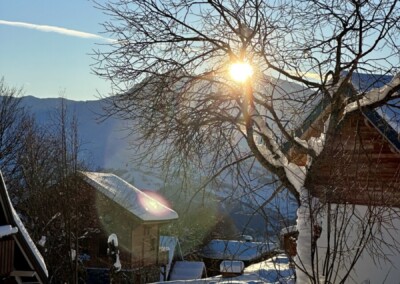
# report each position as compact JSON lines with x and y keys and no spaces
{"x":104,"y":143}
{"x":106,"y":147}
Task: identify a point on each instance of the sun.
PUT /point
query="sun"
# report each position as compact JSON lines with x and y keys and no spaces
{"x":241,"y":71}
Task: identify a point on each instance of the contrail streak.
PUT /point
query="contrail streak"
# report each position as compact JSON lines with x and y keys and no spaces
{"x":54,"y":29}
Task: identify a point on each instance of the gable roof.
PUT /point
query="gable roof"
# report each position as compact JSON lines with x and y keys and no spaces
{"x":383,"y":127}
{"x":140,"y":204}
{"x":380,"y":117}
{"x":170,"y":244}
{"x":366,"y":82}
{"x":32,"y":256}
{"x":377,"y":117}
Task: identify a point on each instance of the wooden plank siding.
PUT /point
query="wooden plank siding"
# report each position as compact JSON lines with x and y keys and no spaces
{"x":150,"y":245}
{"x":138,"y":241}
{"x":145,"y":245}
{"x":137,"y":254}
{"x":6,"y":256}
{"x":358,"y":166}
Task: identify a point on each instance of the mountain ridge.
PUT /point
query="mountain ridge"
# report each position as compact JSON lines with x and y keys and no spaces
{"x":107,"y":148}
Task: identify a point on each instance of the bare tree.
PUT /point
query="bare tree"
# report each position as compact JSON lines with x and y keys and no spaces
{"x":40,"y":163}
{"x":13,"y":120}
{"x":54,"y":209}
{"x":72,"y":204}
{"x":169,"y":67}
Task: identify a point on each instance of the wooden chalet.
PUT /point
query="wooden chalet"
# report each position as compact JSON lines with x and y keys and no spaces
{"x":358,"y":169}
{"x":360,"y":163}
{"x":135,"y":218}
{"x":20,"y":261}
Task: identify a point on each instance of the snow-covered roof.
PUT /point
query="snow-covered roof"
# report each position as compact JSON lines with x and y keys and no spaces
{"x":366,"y":82}
{"x":145,"y":207}
{"x":6,"y":230}
{"x":380,"y":117}
{"x":20,"y":234}
{"x":236,"y":250}
{"x":273,"y":270}
{"x":185,"y":270}
{"x":168,"y":243}
{"x":29,"y":242}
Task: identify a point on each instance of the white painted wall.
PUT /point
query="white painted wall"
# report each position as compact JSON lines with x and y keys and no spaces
{"x":384,"y":268}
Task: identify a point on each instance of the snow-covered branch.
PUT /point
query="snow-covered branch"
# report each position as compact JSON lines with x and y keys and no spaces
{"x":374,"y":96}
{"x":296,"y":174}
{"x":274,"y":155}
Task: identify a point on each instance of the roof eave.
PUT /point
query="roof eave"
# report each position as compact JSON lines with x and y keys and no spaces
{"x":384,"y":128}
{"x":30,"y":257}
{"x":159,"y":221}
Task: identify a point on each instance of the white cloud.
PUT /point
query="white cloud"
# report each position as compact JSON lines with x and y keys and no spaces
{"x":54,"y":29}
{"x":308,"y":75}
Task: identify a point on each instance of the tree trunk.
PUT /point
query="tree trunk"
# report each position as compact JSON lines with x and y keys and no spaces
{"x":305,"y":249}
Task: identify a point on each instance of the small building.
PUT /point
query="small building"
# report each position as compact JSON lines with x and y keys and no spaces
{"x":177,"y":268}
{"x":187,"y":270}
{"x":217,"y":251}
{"x":133,"y":218}
{"x":231,"y":268}
{"x":20,"y":260}
{"x":360,"y":163}
{"x":359,"y":167}
{"x":169,"y":246}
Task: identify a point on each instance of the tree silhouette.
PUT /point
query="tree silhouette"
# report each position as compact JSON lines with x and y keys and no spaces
{"x":169,"y":69}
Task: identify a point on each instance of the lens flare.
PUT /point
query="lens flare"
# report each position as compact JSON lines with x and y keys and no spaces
{"x":154,"y":203}
{"x":241,"y":71}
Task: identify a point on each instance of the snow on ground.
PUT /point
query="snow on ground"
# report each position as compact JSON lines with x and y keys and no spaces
{"x":236,"y":250}
{"x":273,"y":270}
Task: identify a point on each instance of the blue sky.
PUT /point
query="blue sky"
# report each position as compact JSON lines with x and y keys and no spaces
{"x":43,"y":51}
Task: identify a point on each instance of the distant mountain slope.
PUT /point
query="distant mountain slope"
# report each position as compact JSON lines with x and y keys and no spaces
{"x":105,"y":146}
{"x":102,"y":140}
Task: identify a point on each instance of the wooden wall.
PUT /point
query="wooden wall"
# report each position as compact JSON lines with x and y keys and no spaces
{"x":358,"y":165}
{"x":145,"y":245}
{"x":138,"y":242}
{"x":6,"y":255}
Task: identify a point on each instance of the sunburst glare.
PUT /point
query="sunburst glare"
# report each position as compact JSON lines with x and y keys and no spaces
{"x":241,"y":71}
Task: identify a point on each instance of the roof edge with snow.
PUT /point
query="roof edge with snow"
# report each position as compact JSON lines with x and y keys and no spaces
{"x":22,"y":238}
{"x":143,"y":206}
{"x":376,"y":120}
